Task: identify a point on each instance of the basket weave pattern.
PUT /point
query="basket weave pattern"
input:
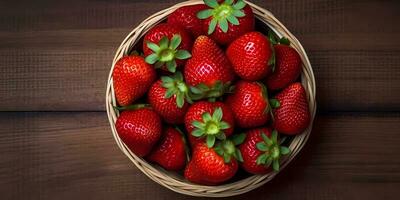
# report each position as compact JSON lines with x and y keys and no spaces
{"x":175,"y":181}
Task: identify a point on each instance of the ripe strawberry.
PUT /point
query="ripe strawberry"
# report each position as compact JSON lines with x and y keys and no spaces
{"x":250,"y":55}
{"x":208,"y":121}
{"x":186,"y":17}
{"x":249,"y":104}
{"x":171,"y":151}
{"x":139,"y":129}
{"x":292,"y":115}
{"x":287,"y":66}
{"x":260,"y":150}
{"x":167,"y":46}
{"x":132,"y":77}
{"x":214,"y":165}
{"x":169,"y":97}
{"x":208,"y":72}
{"x":191,"y":173}
{"x":226,"y":21}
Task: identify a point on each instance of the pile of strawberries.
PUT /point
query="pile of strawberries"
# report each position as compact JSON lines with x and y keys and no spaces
{"x":207,"y":77}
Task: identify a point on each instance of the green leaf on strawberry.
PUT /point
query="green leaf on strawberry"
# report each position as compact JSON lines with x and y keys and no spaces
{"x":176,"y":86}
{"x":274,"y":39}
{"x":284,"y":41}
{"x":272,"y":150}
{"x":274,"y":103}
{"x":238,"y":138}
{"x":166,"y":52}
{"x":211,"y":127}
{"x":202,"y":91}
{"x":227,"y":149}
{"x":222,"y":14}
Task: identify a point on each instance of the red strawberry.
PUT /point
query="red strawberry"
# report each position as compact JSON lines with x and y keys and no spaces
{"x":132,"y":77}
{"x":249,"y":104}
{"x":213,"y":165}
{"x":250,"y":55}
{"x":287,"y":67}
{"x":139,"y":130}
{"x":169,"y":98}
{"x":208,"y":71}
{"x":292,"y":115}
{"x":191,"y":173}
{"x":167,"y":45}
{"x":227,"y":20}
{"x":171,"y":151}
{"x":260,"y":150}
{"x":208,"y":121}
{"x":186,"y":17}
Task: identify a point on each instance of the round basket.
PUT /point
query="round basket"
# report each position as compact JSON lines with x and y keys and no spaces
{"x":174,"y":181}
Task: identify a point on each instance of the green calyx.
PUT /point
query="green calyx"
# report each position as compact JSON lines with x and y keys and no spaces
{"x":271,"y":103}
{"x":274,"y":39}
{"x":222,"y":14}
{"x":166,"y":53}
{"x":273,"y":151}
{"x":202,"y":91}
{"x":274,"y":103}
{"x":227,"y":148}
{"x":176,"y":86}
{"x":211,"y":127}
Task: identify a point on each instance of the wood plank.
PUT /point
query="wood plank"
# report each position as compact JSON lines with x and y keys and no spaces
{"x":74,"y":78}
{"x":70,"y":155}
{"x":46,"y":50}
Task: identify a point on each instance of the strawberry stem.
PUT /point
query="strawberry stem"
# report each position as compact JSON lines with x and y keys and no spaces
{"x":211,"y":127}
{"x":202,"y":91}
{"x":273,"y":151}
{"x":176,"y":86}
{"x":227,"y":148}
{"x":222,"y":14}
{"x":166,"y":53}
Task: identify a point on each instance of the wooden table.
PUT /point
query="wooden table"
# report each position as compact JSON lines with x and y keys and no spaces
{"x":55,"y":140}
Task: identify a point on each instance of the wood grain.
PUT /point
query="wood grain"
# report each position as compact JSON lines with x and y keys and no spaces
{"x":72,"y":155}
{"x":56,"y":55}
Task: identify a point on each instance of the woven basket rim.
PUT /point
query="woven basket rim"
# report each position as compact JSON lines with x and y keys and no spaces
{"x":176,"y":182}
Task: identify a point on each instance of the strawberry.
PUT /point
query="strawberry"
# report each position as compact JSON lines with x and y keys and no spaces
{"x":167,"y":46}
{"x":192,"y":174}
{"x":287,"y":66}
{"x":208,"y":72}
{"x":261,"y":149}
{"x":171,"y":151}
{"x":132,"y":77}
{"x":214,"y":165}
{"x":186,"y":17}
{"x":208,"y":121}
{"x":170,"y":99}
{"x":292,"y":115}
{"x":139,"y":129}
{"x":250,"y":55}
{"x":249,"y":104}
{"x":225,"y":20}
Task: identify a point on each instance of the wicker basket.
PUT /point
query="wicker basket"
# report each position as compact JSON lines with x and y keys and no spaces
{"x":175,"y":181}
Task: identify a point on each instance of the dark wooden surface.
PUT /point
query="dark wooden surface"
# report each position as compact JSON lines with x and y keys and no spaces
{"x":55,"y":141}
